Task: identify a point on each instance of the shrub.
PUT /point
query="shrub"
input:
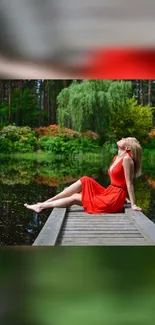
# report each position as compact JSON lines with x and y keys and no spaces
{"x":6,"y":146}
{"x":132,"y":120}
{"x":14,"y":133}
{"x":53,"y":144}
{"x":17,"y":139}
{"x":150,"y":144}
{"x":109,"y":148}
{"x":60,"y":145}
{"x":55,"y":130}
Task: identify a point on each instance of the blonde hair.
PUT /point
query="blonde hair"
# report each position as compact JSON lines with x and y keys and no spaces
{"x":136,"y":152}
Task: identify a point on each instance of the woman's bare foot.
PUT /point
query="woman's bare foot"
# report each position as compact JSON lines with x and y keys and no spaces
{"x":35,"y":207}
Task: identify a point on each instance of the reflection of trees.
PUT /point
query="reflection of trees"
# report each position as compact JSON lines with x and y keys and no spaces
{"x":16,"y":171}
{"x":45,"y":172}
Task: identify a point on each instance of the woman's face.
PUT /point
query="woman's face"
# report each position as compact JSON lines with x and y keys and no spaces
{"x":122,"y":144}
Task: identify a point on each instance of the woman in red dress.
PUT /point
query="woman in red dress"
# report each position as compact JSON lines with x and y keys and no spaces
{"x":95,"y":198}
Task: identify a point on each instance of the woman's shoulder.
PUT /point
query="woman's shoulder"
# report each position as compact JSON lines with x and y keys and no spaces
{"x":128,"y":160}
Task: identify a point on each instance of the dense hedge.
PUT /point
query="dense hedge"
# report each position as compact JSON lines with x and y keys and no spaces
{"x":24,"y":139}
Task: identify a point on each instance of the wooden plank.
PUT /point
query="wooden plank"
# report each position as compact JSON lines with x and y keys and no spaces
{"x":99,"y":226}
{"x":98,"y":219}
{"x":95,"y":214}
{"x":91,"y":223}
{"x":103,"y":242}
{"x":66,"y":228}
{"x":82,"y":222}
{"x":98,"y":232}
{"x":76,"y":207}
{"x":79,"y":220}
{"x":106,"y":235}
{"x":145,"y":225}
{"x":80,"y":229}
{"x":80,"y":208}
{"x":50,"y":232}
{"x":86,"y":224}
{"x":105,"y":220}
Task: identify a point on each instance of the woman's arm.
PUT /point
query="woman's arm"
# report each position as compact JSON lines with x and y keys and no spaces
{"x":128,"y":165}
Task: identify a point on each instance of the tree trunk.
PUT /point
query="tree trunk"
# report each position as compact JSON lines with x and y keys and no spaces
{"x":45,"y":105}
{"x":40,"y":102}
{"x":54,"y":108}
{"x":150,"y":92}
{"x":1,"y":91}
{"x":65,"y":83}
{"x":48,"y":102}
{"x":9,"y":100}
{"x":136,"y":90}
{"x":19,"y":112}
{"x":141,"y":93}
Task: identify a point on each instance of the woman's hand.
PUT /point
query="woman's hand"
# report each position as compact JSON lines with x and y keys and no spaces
{"x":135,"y":208}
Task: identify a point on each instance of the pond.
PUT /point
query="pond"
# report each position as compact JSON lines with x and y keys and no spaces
{"x":32,"y":180}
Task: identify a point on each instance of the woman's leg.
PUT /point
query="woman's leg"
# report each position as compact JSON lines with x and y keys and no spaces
{"x":61,"y":203}
{"x":70,"y":190}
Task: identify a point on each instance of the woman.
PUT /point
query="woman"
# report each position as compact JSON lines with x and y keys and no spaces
{"x":92,"y":196}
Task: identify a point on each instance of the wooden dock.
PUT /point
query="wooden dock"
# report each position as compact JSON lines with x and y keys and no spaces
{"x":74,"y":227}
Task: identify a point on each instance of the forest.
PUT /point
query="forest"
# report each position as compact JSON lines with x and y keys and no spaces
{"x":66,"y":116}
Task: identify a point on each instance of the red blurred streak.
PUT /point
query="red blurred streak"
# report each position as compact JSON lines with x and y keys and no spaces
{"x":121,"y":64}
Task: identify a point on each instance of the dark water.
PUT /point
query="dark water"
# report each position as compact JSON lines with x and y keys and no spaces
{"x":33,"y":181}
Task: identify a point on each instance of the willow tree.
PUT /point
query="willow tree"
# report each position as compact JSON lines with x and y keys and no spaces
{"x":83,"y":106}
{"x":90,"y":105}
{"x":103,"y":106}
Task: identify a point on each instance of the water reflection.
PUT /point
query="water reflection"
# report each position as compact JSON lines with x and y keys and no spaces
{"x":33,"y":181}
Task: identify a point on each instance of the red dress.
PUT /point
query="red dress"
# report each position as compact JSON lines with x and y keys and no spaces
{"x":97,"y":199}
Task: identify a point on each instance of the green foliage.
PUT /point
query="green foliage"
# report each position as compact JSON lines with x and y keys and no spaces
{"x":23,"y":111}
{"x":14,"y":133}
{"x":53,"y":144}
{"x":6,"y":145}
{"x":109,"y":148}
{"x":143,"y":193}
{"x":150,"y":144}
{"x":131,"y":120}
{"x":83,"y":106}
{"x":17,"y":139}
{"x":106,"y":107}
{"x":30,"y":107}
{"x":67,"y":145}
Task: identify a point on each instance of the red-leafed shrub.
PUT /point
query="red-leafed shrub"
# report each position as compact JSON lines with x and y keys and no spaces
{"x":90,"y":134}
{"x":152,"y":133}
{"x":55,"y":130}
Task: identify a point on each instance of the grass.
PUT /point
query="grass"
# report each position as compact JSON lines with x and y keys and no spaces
{"x":102,"y":154}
